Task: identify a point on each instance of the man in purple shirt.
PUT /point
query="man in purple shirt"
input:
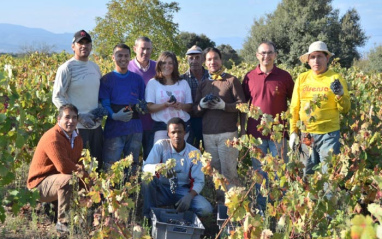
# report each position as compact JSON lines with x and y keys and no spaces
{"x":143,"y":66}
{"x":269,"y":88}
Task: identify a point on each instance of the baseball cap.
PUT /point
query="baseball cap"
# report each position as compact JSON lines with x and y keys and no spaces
{"x":78,"y":36}
{"x":194,"y":50}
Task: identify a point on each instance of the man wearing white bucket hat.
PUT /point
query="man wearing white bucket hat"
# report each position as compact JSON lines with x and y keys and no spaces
{"x":322,"y":134}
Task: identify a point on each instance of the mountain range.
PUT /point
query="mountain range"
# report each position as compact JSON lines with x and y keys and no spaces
{"x":15,"y":39}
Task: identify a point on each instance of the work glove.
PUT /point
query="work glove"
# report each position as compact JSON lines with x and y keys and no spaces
{"x":204,"y":104}
{"x":86,"y":120}
{"x":337,"y":88}
{"x":218,"y":104}
{"x":184,"y":203}
{"x":292,"y":139}
{"x":123,"y":116}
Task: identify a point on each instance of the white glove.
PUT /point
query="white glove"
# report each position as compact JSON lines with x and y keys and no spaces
{"x":218,"y":104}
{"x":292,"y":139}
{"x":86,"y":120}
{"x":123,"y":116}
{"x":204,"y":104}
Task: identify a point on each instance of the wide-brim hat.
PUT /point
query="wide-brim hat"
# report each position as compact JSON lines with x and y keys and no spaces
{"x":316,"y":46}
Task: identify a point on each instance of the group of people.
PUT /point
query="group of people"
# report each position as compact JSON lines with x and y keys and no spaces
{"x":182,"y":112}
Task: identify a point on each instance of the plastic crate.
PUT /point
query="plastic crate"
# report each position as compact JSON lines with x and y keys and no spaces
{"x":162,"y":229}
{"x":221,"y":217}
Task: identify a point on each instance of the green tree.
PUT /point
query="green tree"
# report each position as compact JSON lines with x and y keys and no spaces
{"x":126,"y":20}
{"x":229,"y":55}
{"x":373,"y":60}
{"x":187,"y":40}
{"x":295,"y":24}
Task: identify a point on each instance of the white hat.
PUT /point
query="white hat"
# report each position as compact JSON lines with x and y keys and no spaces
{"x":194,"y":50}
{"x":315,"y":46}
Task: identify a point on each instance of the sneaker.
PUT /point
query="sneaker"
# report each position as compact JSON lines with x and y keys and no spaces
{"x":62,"y":227}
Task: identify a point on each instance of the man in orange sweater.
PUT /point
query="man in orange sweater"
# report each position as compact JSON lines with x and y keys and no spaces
{"x":56,"y":157}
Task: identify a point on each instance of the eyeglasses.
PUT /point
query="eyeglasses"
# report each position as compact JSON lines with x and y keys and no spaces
{"x":270,"y":53}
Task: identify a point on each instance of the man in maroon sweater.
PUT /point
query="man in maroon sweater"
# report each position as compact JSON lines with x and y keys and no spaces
{"x":56,"y":157}
{"x":269,"y":88}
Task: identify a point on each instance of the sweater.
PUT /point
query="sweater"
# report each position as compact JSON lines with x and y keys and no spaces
{"x":54,"y":155}
{"x":230,"y":91}
{"x":77,"y":82}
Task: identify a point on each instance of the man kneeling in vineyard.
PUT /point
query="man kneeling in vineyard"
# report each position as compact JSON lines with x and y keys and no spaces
{"x":55,"y":159}
{"x":183,"y":184}
{"x":322,"y":133}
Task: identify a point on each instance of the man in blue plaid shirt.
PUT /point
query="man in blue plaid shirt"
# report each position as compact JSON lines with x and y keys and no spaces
{"x":194,"y":76}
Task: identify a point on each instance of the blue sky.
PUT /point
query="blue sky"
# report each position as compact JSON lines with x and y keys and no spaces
{"x":219,"y":20}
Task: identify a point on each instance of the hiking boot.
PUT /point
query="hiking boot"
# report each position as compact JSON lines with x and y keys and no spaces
{"x":62,"y":227}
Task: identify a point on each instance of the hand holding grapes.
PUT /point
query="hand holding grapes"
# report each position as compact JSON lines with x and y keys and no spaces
{"x":337,"y":88}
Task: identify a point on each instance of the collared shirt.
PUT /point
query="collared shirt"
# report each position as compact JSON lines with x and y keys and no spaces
{"x":269,"y":91}
{"x":193,"y":82}
{"x":188,"y":173}
{"x":71,"y":139}
{"x":144,"y":69}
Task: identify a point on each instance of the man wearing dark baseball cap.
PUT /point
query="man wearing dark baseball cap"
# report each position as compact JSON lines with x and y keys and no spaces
{"x":77,"y":82}
{"x":78,"y":36}
{"x":194,"y":76}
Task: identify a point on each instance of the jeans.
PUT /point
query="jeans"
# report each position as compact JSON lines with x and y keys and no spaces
{"x":322,"y":144}
{"x":224,"y":159}
{"x":276,"y":149}
{"x":147,"y":142}
{"x":156,"y":194}
{"x":128,"y":144}
{"x":93,"y":140}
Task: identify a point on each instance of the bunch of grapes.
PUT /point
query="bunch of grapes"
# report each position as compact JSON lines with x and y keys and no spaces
{"x":141,"y":107}
{"x":336,"y":86}
{"x":173,"y":184}
{"x":181,"y":222}
{"x":210,"y":97}
{"x":99,"y":113}
{"x":172,"y":99}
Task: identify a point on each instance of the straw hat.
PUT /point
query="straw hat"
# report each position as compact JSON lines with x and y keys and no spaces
{"x":316,"y":46}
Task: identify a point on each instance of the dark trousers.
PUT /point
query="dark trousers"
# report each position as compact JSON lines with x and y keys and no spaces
{"x":93,"y":140}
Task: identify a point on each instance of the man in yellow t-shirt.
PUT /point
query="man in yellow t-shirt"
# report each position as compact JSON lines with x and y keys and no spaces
{"x":322,"y":134}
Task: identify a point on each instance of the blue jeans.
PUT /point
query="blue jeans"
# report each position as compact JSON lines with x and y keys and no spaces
{"x":156,"y":194}
{"x":147,"y":142}
{"x":276,"y":149}
{"x":127,"y":144}
{"x":321,"y":145}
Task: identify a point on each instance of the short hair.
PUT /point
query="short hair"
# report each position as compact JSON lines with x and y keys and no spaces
{"x":67,"y":107}
{"x":176,"y":120}
{"x":122,"y":46}
{"x":269,"y":43}
{"x":213,"y":49}
{"x":142,"y":38}
{"x":175,"y":73}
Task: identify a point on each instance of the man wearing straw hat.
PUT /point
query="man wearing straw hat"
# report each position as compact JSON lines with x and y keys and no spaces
{"x":321,"y":134}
